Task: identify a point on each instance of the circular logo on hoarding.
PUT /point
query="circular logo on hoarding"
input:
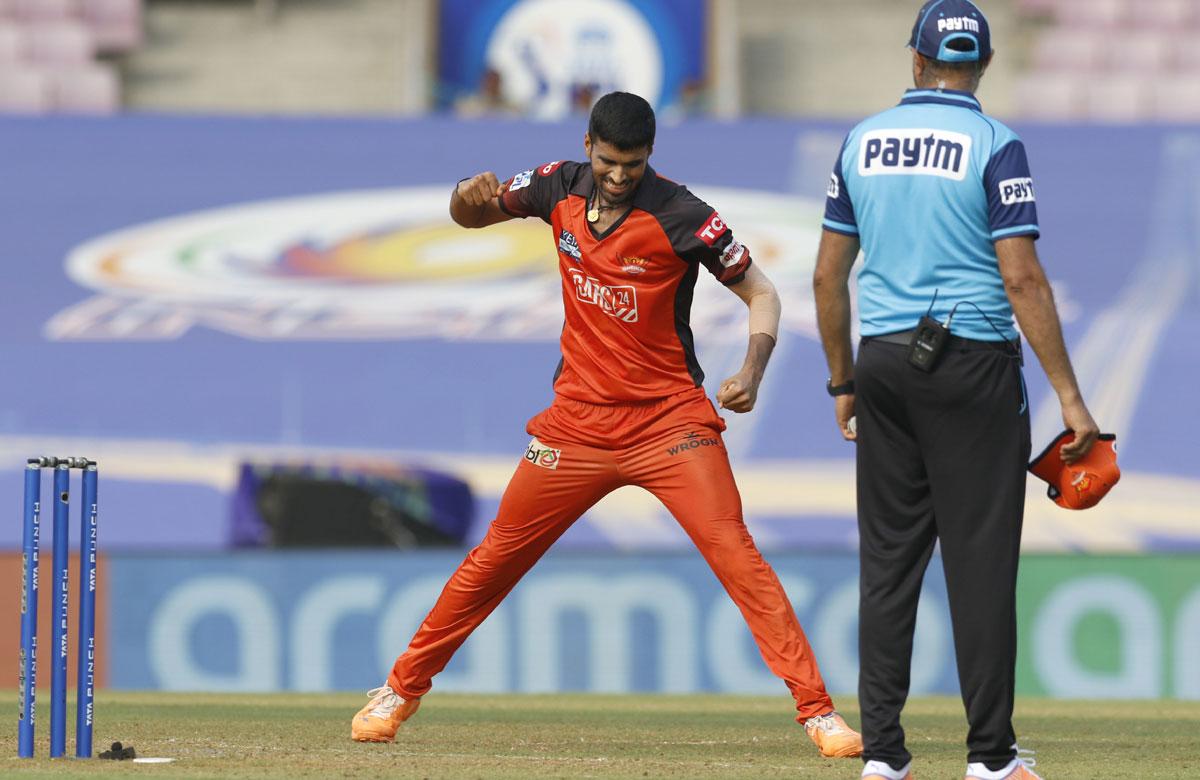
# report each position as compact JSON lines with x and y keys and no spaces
{"x":346,"y":266}
{"x":551,"y":55}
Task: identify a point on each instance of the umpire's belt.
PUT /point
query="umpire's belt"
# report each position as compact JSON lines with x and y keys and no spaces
{"x":904,"y":338}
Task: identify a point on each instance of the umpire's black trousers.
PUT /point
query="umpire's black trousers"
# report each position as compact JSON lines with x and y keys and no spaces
{"x":941,"y":457}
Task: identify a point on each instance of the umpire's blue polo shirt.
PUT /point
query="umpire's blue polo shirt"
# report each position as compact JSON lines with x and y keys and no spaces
{"x":928,"y":186}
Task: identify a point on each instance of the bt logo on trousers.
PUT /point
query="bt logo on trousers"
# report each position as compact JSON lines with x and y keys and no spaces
{"x":914,"y":151}
{"x":540,"y":455}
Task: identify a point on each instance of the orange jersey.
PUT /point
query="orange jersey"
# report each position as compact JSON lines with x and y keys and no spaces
{"x":627,"y":293}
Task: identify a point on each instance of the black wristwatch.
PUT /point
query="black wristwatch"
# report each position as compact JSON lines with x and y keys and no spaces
{"x":846,"y":388}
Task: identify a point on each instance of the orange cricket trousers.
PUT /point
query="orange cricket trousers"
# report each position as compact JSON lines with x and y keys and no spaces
{"x":672,"y":447}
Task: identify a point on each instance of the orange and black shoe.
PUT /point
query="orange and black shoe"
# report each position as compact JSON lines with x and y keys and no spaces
{"x":379,"y":720}
{"x":834,"y":738}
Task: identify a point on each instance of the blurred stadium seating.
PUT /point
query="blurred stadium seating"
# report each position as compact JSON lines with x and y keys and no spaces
{"x":1060,"y":59}
{"x":51,"y":54}
{"x":1112,"y":60}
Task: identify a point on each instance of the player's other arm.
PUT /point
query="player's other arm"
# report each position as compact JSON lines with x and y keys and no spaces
{"x":475,"y":201}
{"x":1033,"y":303}
{"x":739,"y":392}
{"x":831,"y":291}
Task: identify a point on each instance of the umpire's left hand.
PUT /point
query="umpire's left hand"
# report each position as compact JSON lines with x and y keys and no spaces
{"x":843,"y":411}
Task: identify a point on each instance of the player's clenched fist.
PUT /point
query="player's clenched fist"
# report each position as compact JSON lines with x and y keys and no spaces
{"x":738,"y":393}
{"x":481,"y":188}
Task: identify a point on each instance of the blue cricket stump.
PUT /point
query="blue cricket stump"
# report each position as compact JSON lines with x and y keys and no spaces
{"x":86,"y":651}
{"x":61,"y":530}
{"x":30,"y":546}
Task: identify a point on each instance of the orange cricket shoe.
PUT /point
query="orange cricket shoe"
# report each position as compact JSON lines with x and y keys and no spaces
{"x":379,"y":720}
{"x":833,"y":736}
{"x":879,"y":770}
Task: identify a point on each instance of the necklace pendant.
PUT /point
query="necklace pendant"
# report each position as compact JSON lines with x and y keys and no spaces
{"x":593,"y":215}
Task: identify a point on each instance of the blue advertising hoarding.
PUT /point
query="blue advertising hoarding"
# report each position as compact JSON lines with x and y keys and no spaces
{"x":225,"y":288}
{"x":336,"y":621}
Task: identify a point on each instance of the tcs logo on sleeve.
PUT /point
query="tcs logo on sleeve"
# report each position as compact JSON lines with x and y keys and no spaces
{"x":712,"y":229}
{"x":914,"y":152}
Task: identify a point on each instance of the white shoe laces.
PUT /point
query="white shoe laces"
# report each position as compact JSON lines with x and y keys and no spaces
{"x":387,"y":702}
{"x":1026,"y":757}
{"x":827,"y":723}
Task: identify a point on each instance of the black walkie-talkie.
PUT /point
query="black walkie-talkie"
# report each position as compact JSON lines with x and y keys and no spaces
{"x":928,"y":341}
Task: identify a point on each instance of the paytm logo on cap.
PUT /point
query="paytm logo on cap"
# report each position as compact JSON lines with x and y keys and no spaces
{"x":914,"y":151}
{"x":958,"y":24}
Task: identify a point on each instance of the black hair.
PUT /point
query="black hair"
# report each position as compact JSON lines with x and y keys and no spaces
{"x":624,"y":120}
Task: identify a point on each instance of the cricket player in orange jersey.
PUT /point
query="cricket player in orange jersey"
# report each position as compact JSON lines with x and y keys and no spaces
{"x":629,"y":406}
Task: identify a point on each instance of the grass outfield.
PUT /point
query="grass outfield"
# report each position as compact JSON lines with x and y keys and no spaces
{"x":456,"y":736}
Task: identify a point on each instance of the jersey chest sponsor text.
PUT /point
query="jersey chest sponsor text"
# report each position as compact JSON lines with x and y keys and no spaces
{"x":914,"y":152}
{"x":619,"y":301}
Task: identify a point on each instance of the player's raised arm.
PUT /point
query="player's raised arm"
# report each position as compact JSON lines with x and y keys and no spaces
{"x":739,"y":392}
{"x":475,"y":201}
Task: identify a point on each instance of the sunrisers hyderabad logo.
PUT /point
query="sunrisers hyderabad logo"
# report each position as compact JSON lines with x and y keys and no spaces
{"x":389,"y":264}
{"x":540,"y":455}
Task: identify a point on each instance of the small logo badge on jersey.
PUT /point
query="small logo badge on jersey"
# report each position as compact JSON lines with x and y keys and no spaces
{"x":540,"y":455}
{"x":713,"y":228}
{"x":521,"y":180}
{"x":549,"y":168}
{"x":835,"y":187}
{"x":914,"y":152}
{"x":733,"y":254}
{"x":569,"y":246}
{"x":634,"y":265}
{"x":1014,"y":191}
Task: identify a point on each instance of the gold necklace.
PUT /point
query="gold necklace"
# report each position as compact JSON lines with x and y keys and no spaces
{"x":593,"y":214}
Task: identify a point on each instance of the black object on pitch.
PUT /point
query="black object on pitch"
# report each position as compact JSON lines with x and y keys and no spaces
{"x":119,"y":752}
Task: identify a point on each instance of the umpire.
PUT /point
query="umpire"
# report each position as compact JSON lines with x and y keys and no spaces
{"x":939,"y":197}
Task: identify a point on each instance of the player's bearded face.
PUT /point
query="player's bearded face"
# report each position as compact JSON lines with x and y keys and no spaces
{"x":617,"y":172}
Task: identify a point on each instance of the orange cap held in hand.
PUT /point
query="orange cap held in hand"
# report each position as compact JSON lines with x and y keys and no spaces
{"x":1081,"y":484}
